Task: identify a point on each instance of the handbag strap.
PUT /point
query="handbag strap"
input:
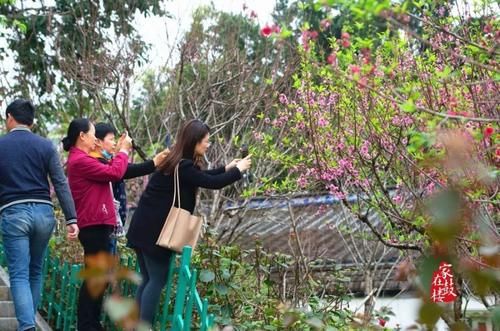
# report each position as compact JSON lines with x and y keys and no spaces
{"x":177,"y":189}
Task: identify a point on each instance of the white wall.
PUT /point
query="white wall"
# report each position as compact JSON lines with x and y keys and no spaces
{"x":406,"y":310}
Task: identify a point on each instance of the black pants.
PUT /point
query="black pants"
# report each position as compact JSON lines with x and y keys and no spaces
{"x":94,"y":239}
{"x":154,"y":273}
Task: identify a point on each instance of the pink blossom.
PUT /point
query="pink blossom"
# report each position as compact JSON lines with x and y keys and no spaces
{"x":322,"y":101}
{"x":313,"y":34}
{"x":365,"y":149}
{"x":300,"y":126}
{"x":397,"y":199}
{"x":488,"y":132}
{"x":407,"y":120}
{"x":355,"y":69}
{"x":452,"y":102}
{"x":345,"y":35}
{"x":388,"y":145}
{"x":322,"y":209}
{"x":283,"y":99}
{"x":441,"y":11}
{"x":305,"y":39}
{"x":302,"y":181}
{"x":327,"y":176}
{"x":332,"y":99}
{"x":306,"y":36}
{"x":258,"y":136}
{"x":363,"y":82}
{"x":429,"y":189}
{"x":345,"y":43}
{"x":277,"y":123}
{"x":402,"y":121}
{"x":266,"y":31}
{"x":335,"y":191}
{"x":345,"y":164}
{"x":322,"y":122}
{"x":488,"y":28}
{"x":332,"y":58}
{"x":325,"y":23}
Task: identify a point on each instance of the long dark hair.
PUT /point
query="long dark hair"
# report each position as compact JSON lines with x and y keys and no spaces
{"x":189,"y":136}
{"x":75,"y":127}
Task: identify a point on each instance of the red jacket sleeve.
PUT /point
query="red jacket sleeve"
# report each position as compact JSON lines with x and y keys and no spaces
{"x":93,"y":169}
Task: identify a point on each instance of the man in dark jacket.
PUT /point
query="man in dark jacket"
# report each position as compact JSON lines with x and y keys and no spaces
{"x":26,"y":211}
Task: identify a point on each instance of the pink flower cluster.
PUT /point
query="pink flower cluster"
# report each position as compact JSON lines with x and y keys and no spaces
{"x":307,"y":36}
{"x":402,"y":120}
{"x":283,"y":99}
{"x":267,"y":30}
{"x":345,"y":39}
{"x":336,"y":191}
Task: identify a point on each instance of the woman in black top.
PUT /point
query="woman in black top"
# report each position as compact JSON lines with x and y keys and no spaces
{"x":154,"y":205}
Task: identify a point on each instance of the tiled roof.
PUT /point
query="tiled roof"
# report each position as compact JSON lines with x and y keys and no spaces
{"x":320,"y":220}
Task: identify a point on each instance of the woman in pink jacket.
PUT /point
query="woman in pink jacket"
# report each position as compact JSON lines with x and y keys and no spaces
{"x":89,"y":181}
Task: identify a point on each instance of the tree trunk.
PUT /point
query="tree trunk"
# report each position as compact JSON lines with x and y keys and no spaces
{"x":370,"y":301}
{"x":457,"y":304}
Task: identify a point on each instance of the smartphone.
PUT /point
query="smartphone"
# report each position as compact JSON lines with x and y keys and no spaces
{"x":247,"y":176}
{"x":168,"y":141}
{"x":244,"y":151}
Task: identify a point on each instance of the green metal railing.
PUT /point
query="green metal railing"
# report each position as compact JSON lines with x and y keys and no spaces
{"x":62,"y":284}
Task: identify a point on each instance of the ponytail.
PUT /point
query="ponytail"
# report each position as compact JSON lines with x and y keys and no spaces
{"x":75,"y":127}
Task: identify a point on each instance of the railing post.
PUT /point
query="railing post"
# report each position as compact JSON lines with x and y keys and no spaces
{"x":2,"y":258}
{"x":168,"y":292}
{"x":73,"y":295}
{"x":60,"y":305}
{"x":189,"y":307}
{"x":204,"y":316}
{"x":182,"y":283}
{"x":53,"y":275}
{"x":43,"y":296}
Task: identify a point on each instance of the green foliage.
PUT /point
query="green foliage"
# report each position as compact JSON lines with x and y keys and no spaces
{"x":6,"y":22}
{"x":496,"y":316}
{"x":65,"y":52}
{"x":244,"y":292}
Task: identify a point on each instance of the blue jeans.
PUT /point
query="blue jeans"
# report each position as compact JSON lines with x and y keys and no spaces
{"x":26,"y":229}
{"x":113,"y":245}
